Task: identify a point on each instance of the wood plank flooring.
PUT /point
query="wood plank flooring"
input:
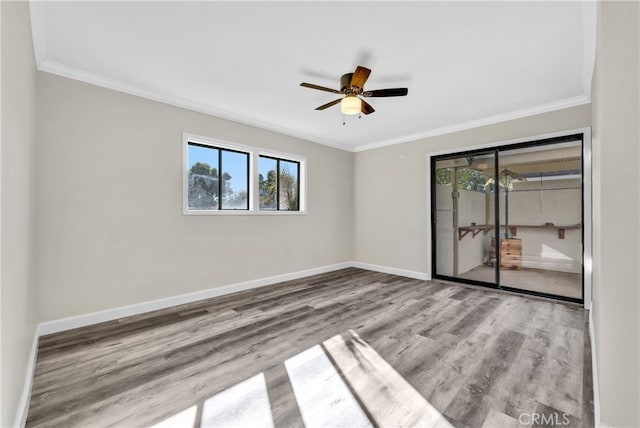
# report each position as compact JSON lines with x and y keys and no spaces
{"x":403,"y":350}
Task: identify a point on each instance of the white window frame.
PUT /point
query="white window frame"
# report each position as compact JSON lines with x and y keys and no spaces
{"x":254,"y":159}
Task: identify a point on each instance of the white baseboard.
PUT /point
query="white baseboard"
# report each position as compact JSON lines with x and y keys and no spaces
{"x":84,"y":320}
{"x":394,"y":271}
{"x":594,"y":373}
{"x":23,"y":404}
{"x":139,"y":308}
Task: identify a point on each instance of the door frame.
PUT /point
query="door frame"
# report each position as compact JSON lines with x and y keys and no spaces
{"x":587,"y":206}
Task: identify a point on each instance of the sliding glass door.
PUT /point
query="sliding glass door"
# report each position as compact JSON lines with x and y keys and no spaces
{"x":511,"y":217}
{"x":462,"y":216}
{"x":541,"y":200}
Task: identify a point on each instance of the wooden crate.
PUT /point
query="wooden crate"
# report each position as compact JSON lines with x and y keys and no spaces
{"x":510,"y":253}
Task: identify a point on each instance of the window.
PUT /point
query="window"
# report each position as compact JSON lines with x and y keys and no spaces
{"x":226,"y":178}
{"x":218,"y":178}
{"x":279,"y":184}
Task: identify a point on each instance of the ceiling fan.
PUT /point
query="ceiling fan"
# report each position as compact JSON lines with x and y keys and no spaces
{"x":352,"y":86}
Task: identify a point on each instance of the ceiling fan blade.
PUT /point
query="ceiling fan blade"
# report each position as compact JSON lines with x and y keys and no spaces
{"x":393,"y":92}
{"x":320,"y":88}
{"x":360,"y":76}
{"x":366,"y":107}
{"x":327,"y":105}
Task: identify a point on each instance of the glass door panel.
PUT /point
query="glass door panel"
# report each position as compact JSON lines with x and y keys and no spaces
{"x":463,"y":222}
{"x":540,"y":190}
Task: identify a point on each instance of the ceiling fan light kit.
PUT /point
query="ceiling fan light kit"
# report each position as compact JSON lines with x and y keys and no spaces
{"x":351,"y":105}
{"x":352,"y":87}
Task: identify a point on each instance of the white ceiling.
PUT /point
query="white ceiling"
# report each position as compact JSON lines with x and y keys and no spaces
{"x":465,"y":63}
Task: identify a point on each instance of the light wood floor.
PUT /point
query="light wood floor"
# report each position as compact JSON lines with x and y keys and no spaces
{"x":347,"y":348}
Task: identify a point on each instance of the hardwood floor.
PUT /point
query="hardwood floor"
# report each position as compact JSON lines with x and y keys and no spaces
{"x":347,"y":348}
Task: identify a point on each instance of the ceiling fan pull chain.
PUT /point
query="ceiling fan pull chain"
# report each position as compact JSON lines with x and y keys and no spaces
{"x":344,"y":122}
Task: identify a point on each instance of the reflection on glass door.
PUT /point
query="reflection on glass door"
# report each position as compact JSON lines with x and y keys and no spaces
{"x":541,"y":219}
{"x":463,"y":218}
{"x":527,"y":239}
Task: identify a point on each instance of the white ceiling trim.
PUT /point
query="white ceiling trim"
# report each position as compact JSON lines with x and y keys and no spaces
{"x":518,"y":114}
{"x":37,"y":19}
{"x":94,"y":79}
{"x":105,"y":82}
{"x":589,"y":25}
{"x":35,"y":12}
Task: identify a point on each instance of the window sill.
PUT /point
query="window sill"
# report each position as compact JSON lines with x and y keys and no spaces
{"x":242,"y":212}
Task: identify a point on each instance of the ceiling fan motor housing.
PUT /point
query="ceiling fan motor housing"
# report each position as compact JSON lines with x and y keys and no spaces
{"x":345,"y":82}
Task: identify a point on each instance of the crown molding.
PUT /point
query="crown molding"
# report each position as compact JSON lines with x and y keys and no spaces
{"x":490,"y":120}
{"x":37,"y":37}
{"x":589,"y":16}
{"x":589,"y":31}
{"x":150,"y":94}
{"x":105,"y":82}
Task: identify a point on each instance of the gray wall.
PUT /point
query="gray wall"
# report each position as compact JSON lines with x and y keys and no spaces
{"x":18,"y":146}
{"x":111,"y":232}
{"x":390,"y":186}
{"x":110,"y":226}
{"x":616,"y":146}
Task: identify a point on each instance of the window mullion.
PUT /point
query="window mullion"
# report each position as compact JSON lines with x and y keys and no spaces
{"x":277,"y":184}
{"x":220,"y":179}
{"x":250,"y":182}
{"x":298,"y":186}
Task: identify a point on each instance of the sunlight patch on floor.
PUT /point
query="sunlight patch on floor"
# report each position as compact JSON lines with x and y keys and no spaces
{"x":184,"y":419}
{"x":342,"y":382}
{"x":323,"y":398}
{"x":389,"y":399}
{"x":245,"y":404}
